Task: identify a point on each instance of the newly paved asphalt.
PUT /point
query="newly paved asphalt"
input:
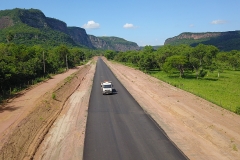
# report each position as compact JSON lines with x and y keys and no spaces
{"x":118,"y":128}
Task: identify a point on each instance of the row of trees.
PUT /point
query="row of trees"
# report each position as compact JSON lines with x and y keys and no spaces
{"x":180,"y":58}
{"x":20,"y":63}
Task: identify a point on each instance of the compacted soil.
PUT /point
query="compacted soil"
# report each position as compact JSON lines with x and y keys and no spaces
{"x":65,"y":139}
{"x":26,"y":119}
{"x":49,"y":120}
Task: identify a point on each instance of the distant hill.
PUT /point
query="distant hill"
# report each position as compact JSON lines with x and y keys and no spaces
{"x":225,"y":41}
{"x":31,"y":26}
{"x":113,"y":43}
{"x":154,"y":47}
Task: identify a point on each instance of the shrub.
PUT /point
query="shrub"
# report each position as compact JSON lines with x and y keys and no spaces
{"x":53,"y":96}
{"x":237,"y":110}
{"x":202,"y":73}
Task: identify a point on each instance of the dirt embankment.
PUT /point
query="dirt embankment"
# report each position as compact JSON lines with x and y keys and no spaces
{"x":199,"y":128}
{"x":23,"y":140}
{"x":65,"y":140}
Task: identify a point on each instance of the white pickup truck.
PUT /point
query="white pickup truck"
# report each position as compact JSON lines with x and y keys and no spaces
{"x":107,"y":87}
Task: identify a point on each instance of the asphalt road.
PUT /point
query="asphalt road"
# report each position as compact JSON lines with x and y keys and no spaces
{"x":118,"y":128}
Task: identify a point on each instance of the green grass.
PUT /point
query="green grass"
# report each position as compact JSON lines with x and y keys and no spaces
{"x":235,"y":147}
{"x":53,"y":96}
{"x":223,"y":91}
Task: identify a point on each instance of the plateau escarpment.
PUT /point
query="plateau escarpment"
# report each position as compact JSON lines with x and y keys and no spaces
{"x":33,"y":18}
{"x":98,"y":42}
{"x":195,"y":36}
{"x":57,"y":25}
{"x":225,"y":41}
{"x":31,"y":27}
{"x":80,"y":36}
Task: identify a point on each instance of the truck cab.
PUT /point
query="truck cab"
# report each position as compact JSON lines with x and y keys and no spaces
{"x":107,"y":87}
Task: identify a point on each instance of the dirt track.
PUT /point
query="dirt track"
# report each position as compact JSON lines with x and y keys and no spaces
{"x":200,"y":129}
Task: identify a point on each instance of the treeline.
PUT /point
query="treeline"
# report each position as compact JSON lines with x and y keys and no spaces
{"x":21,"y":64}
{"x":180,"y":59}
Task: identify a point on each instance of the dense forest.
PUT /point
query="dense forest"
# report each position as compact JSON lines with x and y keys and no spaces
{"x":22,"y":65}
{"x":180,"y":59}
{"x":27,"y":35}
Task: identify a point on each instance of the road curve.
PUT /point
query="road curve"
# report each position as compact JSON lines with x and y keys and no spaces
{"x":118,"y":128}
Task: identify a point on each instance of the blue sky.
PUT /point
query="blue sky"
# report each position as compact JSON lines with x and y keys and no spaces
{"x":146,"y":22}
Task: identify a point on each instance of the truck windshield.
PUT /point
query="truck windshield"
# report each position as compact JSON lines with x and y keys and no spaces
{"x":107,"y":86}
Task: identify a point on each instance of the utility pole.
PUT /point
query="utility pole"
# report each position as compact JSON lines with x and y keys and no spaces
{"x":66,"y":62}
{"x":43,"y":63}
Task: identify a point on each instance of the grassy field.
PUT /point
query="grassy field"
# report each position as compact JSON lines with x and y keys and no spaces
{"x":223,"y":91}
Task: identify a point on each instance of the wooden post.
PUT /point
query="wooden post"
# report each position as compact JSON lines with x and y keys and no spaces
{"x":43,"y":63}
{"x":66,"y":62}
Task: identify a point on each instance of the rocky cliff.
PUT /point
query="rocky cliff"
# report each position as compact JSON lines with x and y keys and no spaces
{"x":98,"y":42}
{"x":32,"y":17}
{"x":5,"y":22}
{"x":223,"y":40}
{"x":57,"y":25}
{"x":80,"y":36}
{"x":54,"y":31}
{"x":194,"y":36}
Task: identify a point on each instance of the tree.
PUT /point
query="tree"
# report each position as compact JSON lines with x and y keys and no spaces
{"x":121,"y":57}
{"x":145,"y":62}
{"x":175,"y":62}
{"x":148,"y":49}
{"x":133,"y":57}
{"x":234,"y":60}
{"x":162,"y":54}
{"x":9,"y":37}
{"x":210,"y":54}
{"x":217,"y":65}
{"x":201,"y":57}
{"x":76,"y":56}
{"x":63,"y":52}
{"x":110,"y":54}
{"x":7,"y":67}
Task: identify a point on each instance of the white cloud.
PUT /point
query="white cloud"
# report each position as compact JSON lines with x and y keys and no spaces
{"x":191,"y":25}
{"x":91,"y":25}
{"x":218,"y":21}
{"x":128,"y":25}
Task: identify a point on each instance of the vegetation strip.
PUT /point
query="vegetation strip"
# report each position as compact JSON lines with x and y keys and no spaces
{"x":22,"y":66}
